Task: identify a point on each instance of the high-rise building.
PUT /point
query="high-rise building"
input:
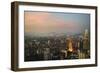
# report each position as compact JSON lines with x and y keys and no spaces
{"x":86,"y":40}
{"x":86,"y":44}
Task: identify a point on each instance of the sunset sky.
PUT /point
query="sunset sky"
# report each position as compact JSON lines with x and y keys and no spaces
{"x":46,"y":23}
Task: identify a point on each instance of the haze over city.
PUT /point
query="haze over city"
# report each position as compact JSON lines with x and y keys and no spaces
{"x":56,"y":36}
{"x":47,"y":23}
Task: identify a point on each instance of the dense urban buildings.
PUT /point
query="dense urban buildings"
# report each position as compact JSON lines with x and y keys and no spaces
{"x":55,"y":47}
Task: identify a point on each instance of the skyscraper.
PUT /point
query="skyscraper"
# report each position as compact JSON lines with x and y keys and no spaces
{"x":86,"y":43}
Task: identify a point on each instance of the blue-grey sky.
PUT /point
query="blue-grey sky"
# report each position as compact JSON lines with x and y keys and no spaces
{"x":45,"y":23}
